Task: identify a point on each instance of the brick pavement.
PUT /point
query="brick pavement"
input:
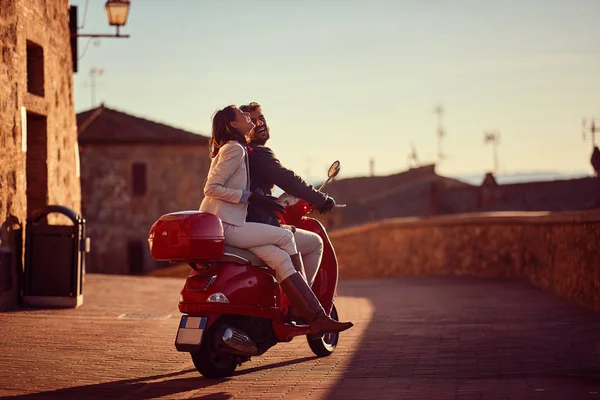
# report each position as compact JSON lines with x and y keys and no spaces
{"x":414,"y":338}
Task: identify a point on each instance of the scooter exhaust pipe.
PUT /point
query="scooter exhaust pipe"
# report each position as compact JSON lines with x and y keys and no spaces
{"x":238,"y":342}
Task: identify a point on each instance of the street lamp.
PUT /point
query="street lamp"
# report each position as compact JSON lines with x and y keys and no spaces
{"x":117,"y":12}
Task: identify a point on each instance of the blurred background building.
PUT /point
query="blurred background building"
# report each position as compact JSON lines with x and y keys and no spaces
{"x":133,"y":171}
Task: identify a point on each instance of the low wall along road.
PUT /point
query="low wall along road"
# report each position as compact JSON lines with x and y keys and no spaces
{"x":556,"y":251}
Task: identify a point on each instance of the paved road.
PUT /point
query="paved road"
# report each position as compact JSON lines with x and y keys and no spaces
{"x":414,"y":338}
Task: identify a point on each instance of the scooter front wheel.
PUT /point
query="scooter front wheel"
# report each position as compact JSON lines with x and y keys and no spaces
{"x":324,"y":346}
{"x":210,"y":361}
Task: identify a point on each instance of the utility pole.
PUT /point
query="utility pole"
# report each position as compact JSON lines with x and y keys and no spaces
{"x":592,"y":131}
{"x":494,"y":139}
{"x":95,"y":71}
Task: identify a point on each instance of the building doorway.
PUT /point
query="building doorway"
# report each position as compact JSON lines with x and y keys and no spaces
{"x":37,"y":162}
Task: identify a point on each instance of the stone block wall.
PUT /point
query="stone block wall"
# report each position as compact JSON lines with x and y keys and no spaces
{"x":36,"y":109}
{"x":558,"y":252}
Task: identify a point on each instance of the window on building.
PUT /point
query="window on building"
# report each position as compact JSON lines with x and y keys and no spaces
{"x":135,"y":257}
{"x":35,"y":69}
{"x":138,"y":177}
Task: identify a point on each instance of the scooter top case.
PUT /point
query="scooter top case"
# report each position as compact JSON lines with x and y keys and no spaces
{"x":186,"y":236}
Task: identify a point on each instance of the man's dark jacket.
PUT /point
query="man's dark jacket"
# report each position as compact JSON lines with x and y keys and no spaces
{"x":265,"y":172}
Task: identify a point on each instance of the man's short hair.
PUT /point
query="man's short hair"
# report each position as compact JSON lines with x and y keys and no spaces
{"x":250,"y":107}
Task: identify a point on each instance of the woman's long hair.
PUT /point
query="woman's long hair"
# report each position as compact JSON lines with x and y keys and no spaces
{"x":223,"y":132}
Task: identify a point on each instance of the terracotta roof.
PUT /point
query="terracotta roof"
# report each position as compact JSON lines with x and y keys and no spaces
{"x":365,"y":189}
{"x":409,"y":194}
{"x":557,"y":195}
{"x":106,"y":125}
{"x":379,"y":197}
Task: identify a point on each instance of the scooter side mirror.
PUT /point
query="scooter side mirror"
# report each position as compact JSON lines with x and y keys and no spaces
{"x":332,"y":173}
{"x":334,"y":170}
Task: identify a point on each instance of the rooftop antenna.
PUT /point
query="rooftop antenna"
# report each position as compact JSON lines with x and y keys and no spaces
{"x":94,"y":71}
{"x":592,"y":131}
{"x":307,"y":170}
{"x":441,"y":133}
{"x":494,"y":139}
{"x":413,"y":159}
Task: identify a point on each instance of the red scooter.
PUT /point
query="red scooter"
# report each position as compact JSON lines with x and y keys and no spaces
{"x":233,"y":308}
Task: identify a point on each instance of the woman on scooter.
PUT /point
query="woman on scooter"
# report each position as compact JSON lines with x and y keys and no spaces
{"x":227,"y":193}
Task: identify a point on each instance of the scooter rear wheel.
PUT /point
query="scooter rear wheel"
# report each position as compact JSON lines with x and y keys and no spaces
{"x":210,"y":361}
{"x":325,"y":345}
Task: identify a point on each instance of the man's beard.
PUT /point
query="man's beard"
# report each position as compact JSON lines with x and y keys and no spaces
{"x":262,"y":139}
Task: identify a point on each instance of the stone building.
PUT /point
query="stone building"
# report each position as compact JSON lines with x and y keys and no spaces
{"x":133,"y":171}
{"x":368,"y":199}
{"x":38,"y":132}
{"x":556,"y":196}
{"x":421,"y":192}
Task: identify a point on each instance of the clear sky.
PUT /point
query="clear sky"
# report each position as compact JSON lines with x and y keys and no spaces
{"x":359,"y":79}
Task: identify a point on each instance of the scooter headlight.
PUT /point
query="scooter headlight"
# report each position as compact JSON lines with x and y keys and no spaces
{"x":217,"y":298}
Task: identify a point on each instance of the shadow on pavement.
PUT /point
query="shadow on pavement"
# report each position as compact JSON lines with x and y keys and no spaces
{"x":455,"y":337}
{"x":144,"y":388}
{"x":138,"y":388}
{"x":276,"y":365}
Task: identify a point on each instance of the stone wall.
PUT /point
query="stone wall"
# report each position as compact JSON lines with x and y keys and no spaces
{"x":36,"y":97}
{"x":558,"y":252}
{"x":118,"y":221}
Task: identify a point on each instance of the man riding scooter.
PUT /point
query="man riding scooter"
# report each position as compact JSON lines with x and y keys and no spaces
{"x":265,"y":172}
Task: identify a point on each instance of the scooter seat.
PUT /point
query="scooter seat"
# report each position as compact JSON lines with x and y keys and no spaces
{"x":247,"y":255}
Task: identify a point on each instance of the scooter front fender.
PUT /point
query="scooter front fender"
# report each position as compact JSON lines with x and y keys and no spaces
{"x":325,"y":284}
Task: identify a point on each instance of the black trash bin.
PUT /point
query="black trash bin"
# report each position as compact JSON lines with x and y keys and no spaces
{"x":54,"y":259}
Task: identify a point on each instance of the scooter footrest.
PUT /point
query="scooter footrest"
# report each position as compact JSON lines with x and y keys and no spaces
{"x":295,"y":324}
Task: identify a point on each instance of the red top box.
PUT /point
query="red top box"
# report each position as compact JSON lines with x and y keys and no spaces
{"x":187,"y":236}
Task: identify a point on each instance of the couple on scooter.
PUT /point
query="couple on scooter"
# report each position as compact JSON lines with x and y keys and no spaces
{"x":248,"y":214}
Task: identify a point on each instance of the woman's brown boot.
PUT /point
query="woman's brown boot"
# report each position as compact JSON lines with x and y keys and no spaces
{"x":307,"y":305}
{"x":299,"y":267}
{"x":298,"y":264}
